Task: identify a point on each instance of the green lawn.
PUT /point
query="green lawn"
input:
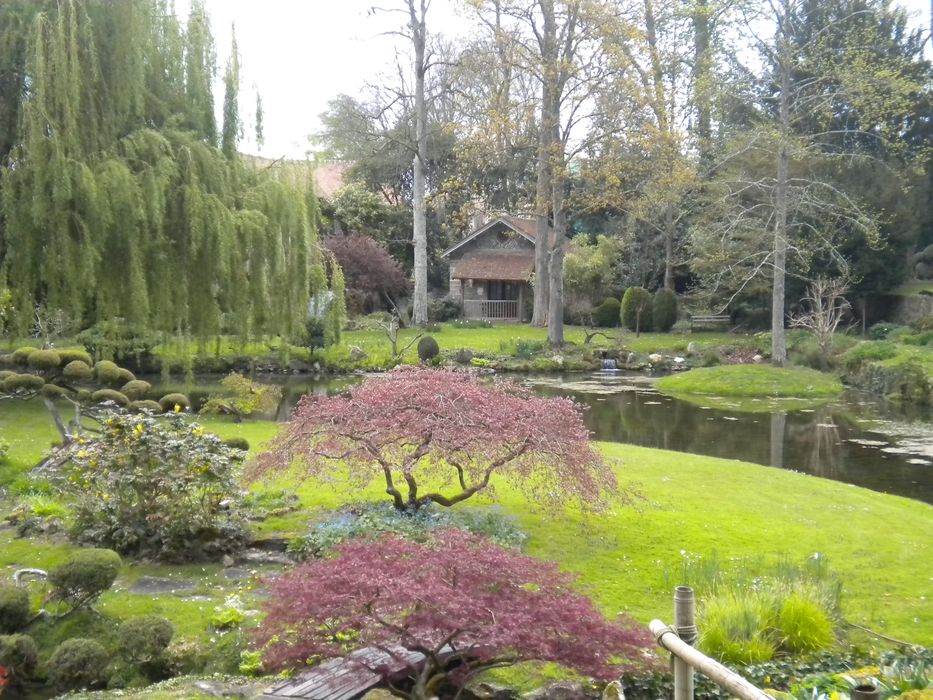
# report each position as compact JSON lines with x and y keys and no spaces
{"x":501,"y":340}
{"x":628,"y":558}
{"x":752,"y":380}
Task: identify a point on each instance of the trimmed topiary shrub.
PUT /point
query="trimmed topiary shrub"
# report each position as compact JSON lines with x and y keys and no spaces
{"x":84,"y":576}
{"x":144,"y":639}
{"x":427,"y":349}
{"x":22,"y":383}
{"x":21,"y":355}
{"x":78,"y":371}
{"x":237,"y":443}
{"x":169,"y":402}
{"x":6,"y":373}
{"x":607,"y":314}
{"x":108,"y":372}
{"x":126,"y":376}
{"x":146,"y":405}
{"x":51,"y":391}
{"x":664,"y":310}
{"x":14,"y":608}
{"x":635,"y":310}
{"x":102,"y":395}
{"x":73,"y":354}
{"x":78,"y":664}
{"x":136,"y":389}
{"x":19,"y":655}
{"x":44,"y":360}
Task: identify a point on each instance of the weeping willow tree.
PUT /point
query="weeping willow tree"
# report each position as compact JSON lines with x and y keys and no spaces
{"x":117,"y":198}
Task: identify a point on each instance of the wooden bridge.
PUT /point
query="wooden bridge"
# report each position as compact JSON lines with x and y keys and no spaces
{"x":349,"y":677}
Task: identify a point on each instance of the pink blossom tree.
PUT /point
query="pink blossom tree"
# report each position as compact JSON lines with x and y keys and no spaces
{"x":462,"y":603}
{"x":436,"y":436}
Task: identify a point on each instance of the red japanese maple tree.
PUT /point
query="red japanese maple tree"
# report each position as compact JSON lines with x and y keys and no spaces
{"x":441,"y":437}
{"x":461,"y":602}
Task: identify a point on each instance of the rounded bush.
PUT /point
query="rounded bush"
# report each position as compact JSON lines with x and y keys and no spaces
{"x":21,"y":355}
{"x":83,"y":395}
{"x":635,"y":310}
{"x":22,"y":383}
{"x":146,"y":405}
{"x":427,"y":349}
{"x":170,"y":401}
{"x":19,"y":654}
{"x":86,"y":574}
{"x":75,"y":354}
{"x":108,"y":372}
{"x":14,"y":608}
{"x":117,"y":397}
{"x":44,"y":360}
{"x":664,"y":310}
{"x":126,"y":376}
{"x":606,"y":315}
{"x":78,"y":371}
{"x":143,"y":639}
{"x":51,"y":391}
{"x":5,"y":373}
{"x":136,"y":388}
{"x":237,"y":443}
{"x":78,"y":663}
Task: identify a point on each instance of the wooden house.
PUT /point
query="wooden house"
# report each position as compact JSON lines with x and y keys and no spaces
{"x":492,"y":267}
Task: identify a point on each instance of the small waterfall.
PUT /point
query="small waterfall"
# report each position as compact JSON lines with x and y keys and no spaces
{"x":609,"y":365}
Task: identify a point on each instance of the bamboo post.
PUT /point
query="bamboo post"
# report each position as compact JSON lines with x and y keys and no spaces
{"x":734,"y":683}
{"x":686,"y":629}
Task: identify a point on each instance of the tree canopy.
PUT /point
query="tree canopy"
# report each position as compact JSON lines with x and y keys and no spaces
{"x":120,"y":196}
{"x":441,"y":436}
{"x":461,"y":601}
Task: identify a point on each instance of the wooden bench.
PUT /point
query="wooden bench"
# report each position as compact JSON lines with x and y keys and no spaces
{"x":709,"y":323}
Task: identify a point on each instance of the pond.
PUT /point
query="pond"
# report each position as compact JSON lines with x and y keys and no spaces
{"x":856,"y":440}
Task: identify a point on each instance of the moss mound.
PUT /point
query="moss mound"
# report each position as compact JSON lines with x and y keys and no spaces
{"x":752,"y":380}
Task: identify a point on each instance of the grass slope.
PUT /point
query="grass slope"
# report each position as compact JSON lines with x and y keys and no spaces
{"x":752,"y":380}
{"x":628,"y":558}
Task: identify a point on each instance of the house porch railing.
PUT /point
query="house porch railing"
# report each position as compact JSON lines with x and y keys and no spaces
{"x":490,"y":309}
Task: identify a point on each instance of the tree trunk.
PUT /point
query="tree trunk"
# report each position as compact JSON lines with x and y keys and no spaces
{"x":702,"y":79}
{"x":419,"y":235}
{"x":669,"y":249}
{"x":550,"y":124}
{"x":778,"y":341}
{"x":555,"y":326}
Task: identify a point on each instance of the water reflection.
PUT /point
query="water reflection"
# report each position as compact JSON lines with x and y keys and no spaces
{"x":874,"y":445}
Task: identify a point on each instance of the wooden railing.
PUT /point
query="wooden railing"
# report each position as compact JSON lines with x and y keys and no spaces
{"x":677,"y":640}
{"x":494,"y":310}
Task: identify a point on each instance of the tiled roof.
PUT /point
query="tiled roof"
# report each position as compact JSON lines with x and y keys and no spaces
{"x":496,"y":266}
{"x":526,"y":226}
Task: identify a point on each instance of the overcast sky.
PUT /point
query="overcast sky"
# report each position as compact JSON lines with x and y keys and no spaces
{"x":300,"y":54}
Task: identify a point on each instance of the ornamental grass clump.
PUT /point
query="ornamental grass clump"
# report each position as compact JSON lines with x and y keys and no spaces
{"x":436,"y":436}
{"x":465,"y":603}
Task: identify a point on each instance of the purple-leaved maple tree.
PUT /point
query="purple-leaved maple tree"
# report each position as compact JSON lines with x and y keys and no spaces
{"x":463,"y":603}
{"x":437,"y":436}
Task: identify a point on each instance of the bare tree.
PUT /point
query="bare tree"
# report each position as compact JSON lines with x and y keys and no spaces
{"x":824,"y":309}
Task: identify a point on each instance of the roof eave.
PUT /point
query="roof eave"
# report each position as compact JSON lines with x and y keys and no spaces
{"x":482,"y":229}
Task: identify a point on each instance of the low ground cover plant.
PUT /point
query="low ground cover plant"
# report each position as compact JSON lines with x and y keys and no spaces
{"x":373,"y":520}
